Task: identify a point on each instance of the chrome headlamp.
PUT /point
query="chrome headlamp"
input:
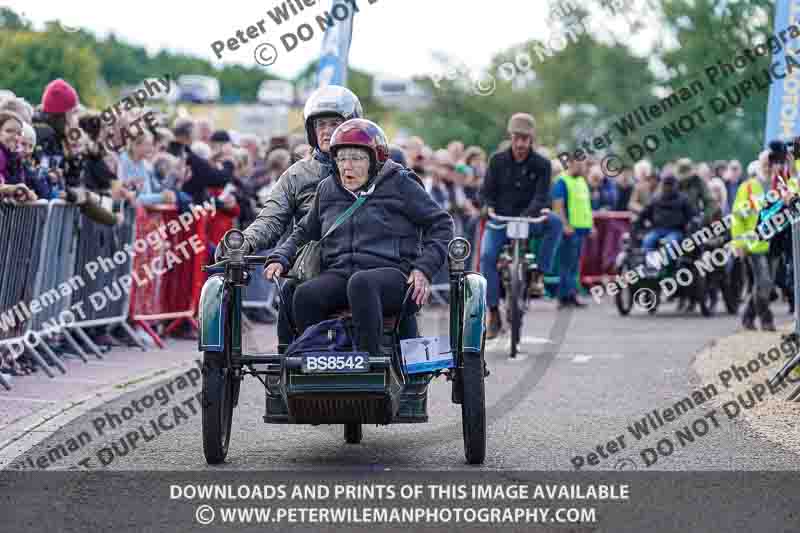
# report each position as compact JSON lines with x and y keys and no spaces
{"x":458,"y":249}
{"x":234,"y":240}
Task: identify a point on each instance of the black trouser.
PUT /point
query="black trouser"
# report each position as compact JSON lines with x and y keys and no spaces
{"x":758,"y":302}
{"x":370,"y":294}
{"x":285,"y":332}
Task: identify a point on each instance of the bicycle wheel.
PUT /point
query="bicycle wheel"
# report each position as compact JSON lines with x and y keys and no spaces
{"x":515,"y":308}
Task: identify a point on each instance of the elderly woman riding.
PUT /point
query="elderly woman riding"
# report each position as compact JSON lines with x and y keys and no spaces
{"x":397,"y":238}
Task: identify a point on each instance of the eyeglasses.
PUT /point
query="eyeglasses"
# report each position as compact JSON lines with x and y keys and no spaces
{"x":322,"y":123}
{"x":355,"y":158}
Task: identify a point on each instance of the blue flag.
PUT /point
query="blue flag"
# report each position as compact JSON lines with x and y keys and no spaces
{"x":332,"y":69}
{"x":783,"y":112}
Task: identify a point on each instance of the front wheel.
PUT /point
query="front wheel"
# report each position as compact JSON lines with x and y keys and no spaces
{"x":624,"y":300}
{"x":515,"y":309}
{"x":353,"y":433}
{"x":218,"y":393}
{"x":473,"y":408}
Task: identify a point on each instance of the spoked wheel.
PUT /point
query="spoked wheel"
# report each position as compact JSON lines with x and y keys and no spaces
{"x":515,"y":303}
{"x":473,"y":408}
{"x":218,"y":393}
{"x":624,"y":301}
{"x":353,"y":433}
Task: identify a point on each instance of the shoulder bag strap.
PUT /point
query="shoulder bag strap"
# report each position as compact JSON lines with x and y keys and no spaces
{"x":344,"y":216}
{"x":352,"y":209}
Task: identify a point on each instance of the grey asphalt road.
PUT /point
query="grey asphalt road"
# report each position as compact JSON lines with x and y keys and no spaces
{"x":584,"y":377}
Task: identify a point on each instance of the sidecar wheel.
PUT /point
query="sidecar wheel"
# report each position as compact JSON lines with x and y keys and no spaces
{"x":473,"y":409}
{"x":353,"y":433}
{"x":218,"y":393}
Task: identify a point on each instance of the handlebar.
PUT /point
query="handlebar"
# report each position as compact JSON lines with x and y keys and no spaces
{"x":249,"y":260}
{"x":534,"y":220}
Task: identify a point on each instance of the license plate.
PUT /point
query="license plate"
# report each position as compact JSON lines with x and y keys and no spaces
{"x":517,"y":229}
{"x":336,"y":362}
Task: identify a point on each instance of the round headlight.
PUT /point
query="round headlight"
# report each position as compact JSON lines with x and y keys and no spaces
{"x":458,"y":250}
{"x":234,"y":240}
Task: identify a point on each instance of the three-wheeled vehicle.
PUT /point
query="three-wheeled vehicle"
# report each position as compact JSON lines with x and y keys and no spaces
{"x":350,"y":388}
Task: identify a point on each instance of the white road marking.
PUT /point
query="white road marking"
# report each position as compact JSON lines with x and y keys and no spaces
{"x":535,"y":340}
{"x":585,"y":357}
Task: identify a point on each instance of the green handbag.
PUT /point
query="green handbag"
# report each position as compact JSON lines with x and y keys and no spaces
{"x":309,"y":257}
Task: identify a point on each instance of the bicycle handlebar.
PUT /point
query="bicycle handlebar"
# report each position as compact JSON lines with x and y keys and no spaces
{"x":534,"y":220}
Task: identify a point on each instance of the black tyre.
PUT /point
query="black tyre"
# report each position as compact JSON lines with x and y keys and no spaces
{"x":473,"y":409}
{"x":218,"y":392}
{"x":515,"y":310}
{"x":624,"y":301}
{"x":353,"y":433}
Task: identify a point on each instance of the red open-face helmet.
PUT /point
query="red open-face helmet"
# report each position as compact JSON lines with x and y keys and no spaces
{"x":362,"y":133}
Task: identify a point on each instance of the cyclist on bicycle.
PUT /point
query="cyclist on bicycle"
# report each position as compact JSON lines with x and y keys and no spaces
{"x":293,"y":194}
{"x":517,"y":183}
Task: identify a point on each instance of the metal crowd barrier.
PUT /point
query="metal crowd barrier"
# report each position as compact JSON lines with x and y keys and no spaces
{"x":104,"y":268}
{"x":22,"y":227}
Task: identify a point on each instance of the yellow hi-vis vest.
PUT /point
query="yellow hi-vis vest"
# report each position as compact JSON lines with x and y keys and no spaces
{"x":746,"y":207}
{"x":579,"y":202}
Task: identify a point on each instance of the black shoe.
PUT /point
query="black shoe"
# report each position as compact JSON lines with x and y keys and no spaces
{"x":749,"y":323}
{"x":564,"y":303}
{"x":767,"y":325}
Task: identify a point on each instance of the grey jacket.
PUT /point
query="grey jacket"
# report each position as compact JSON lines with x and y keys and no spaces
{"x":399,"y":226}
{"x":290,"y":198}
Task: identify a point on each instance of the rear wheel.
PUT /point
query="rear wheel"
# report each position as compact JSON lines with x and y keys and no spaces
{"x":473,"y":408}
{"x":218,"y":393}
{"x":353,"y":433}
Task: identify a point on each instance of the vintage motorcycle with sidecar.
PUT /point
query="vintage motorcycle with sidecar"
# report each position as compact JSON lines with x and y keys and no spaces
{"x":339,"y":387}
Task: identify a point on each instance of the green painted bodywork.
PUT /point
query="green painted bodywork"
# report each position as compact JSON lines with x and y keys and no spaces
{"x":473,"y":312}
{"x":369,"y":382}
{"x":212,"y":316}
{"x":467,"y":312}
{"x":212,"y":335}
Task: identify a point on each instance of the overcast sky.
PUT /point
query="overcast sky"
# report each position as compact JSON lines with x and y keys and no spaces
{"x":391,"y":37}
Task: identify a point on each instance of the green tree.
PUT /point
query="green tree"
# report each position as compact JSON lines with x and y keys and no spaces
{"x":708,"y":32}
{"x":29,"y":61}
